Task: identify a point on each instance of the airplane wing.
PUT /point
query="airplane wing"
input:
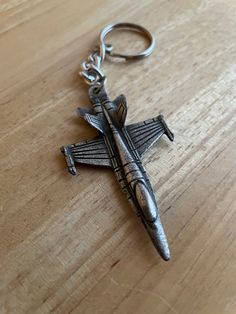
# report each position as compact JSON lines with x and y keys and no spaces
{"x":146,"y":133}
{"x":91,"y":152}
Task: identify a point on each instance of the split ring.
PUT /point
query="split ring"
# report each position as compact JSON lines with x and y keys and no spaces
{"x":125,"y":26}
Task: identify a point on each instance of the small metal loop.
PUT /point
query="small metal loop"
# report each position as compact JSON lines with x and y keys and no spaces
{"x":125,"y":26}
{"x":92,"y":75}
{"x":84,"y":66}
{"x":91,"y":68}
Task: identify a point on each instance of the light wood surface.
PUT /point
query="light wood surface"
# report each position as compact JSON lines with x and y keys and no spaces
{"x":72,"y":244}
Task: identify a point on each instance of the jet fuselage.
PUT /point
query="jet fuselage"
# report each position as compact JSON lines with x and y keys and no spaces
{"x":132,"y":176}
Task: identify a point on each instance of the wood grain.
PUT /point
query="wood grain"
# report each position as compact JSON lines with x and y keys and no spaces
{"x":72,"y":244}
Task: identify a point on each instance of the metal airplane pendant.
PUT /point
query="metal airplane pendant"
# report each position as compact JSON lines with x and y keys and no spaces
{"x":121,"y":148}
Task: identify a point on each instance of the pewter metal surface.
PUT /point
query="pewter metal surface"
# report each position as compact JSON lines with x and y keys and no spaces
{"x":121,"y":148}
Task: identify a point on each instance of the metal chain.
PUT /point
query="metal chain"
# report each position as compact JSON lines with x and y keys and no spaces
{"x":91,"y":68}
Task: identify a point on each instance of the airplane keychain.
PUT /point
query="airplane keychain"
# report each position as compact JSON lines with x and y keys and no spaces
{"x":119,"y":146}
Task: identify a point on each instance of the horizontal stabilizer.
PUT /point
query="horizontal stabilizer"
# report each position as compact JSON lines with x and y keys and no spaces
{"x":82,"y":111}
{"x":96,"y":121}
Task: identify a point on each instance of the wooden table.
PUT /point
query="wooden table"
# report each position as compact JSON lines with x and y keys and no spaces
{"x":72,"y":244}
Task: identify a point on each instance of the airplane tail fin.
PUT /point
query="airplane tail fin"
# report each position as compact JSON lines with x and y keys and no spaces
{"x":121,"y":109}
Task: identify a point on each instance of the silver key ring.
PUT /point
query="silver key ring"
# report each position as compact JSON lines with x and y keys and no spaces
{"x":105,"y":49}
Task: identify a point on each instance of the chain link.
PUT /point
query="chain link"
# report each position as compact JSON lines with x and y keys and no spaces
{"x":91,"y":68}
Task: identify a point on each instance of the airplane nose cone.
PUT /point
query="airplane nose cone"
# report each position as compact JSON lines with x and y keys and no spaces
{"x":165,"y":254}
{"x":72,"y":170}
{"x":151,"y":219}
{"x":160,"y":241}
{"x":158,"y":237}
